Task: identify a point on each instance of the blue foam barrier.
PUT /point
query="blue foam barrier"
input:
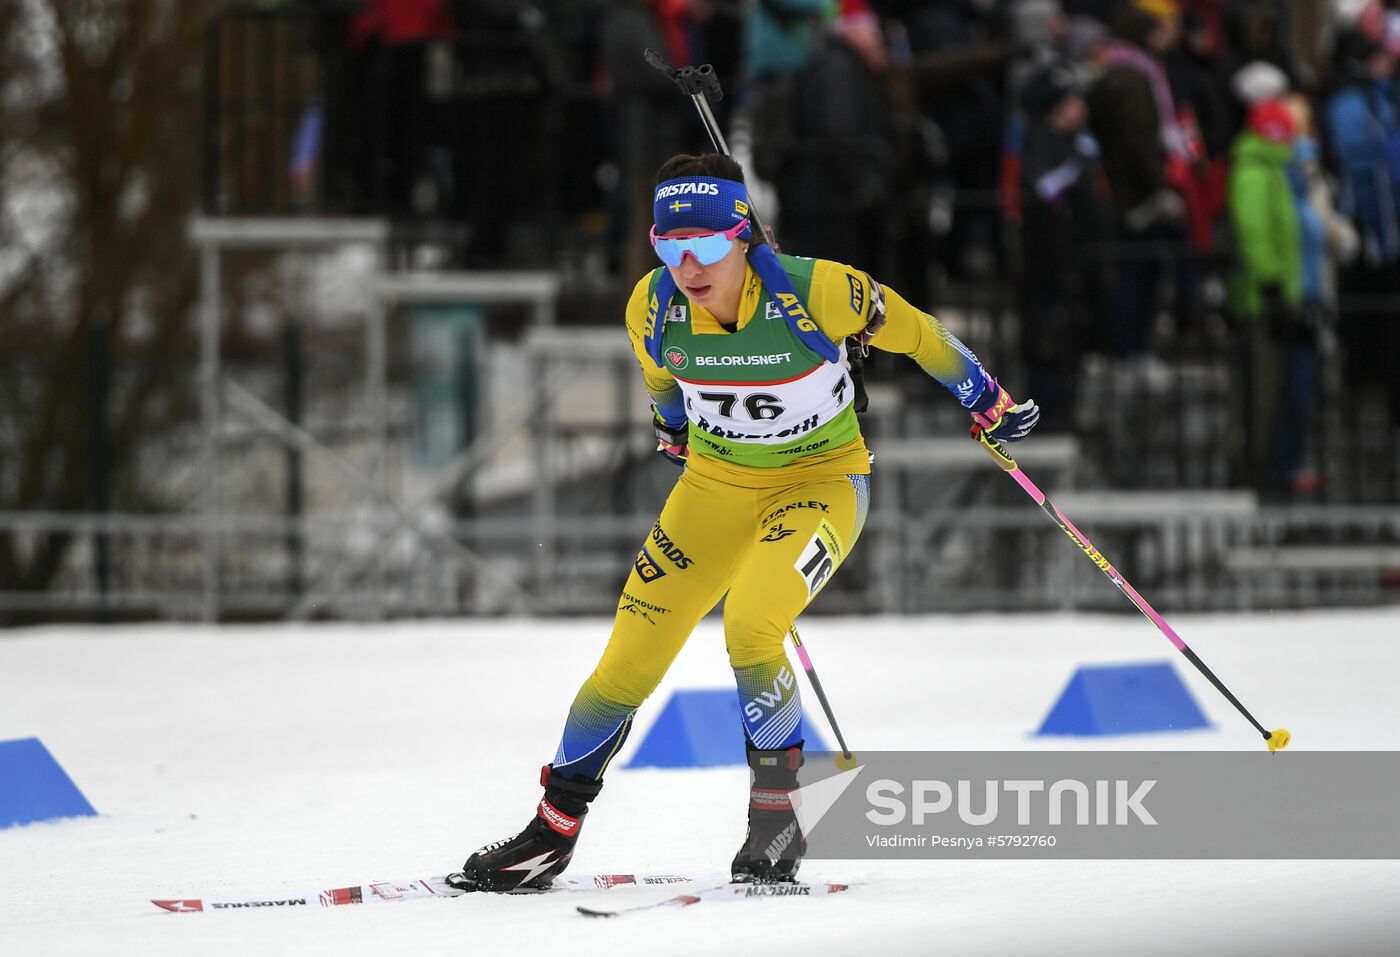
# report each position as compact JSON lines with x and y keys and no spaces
{"x":33,"y":787}
{"x":1123,"y":699}
{"x":702,"y":728}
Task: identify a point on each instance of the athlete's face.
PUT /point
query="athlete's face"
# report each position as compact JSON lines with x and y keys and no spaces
{"x":718,"y":286}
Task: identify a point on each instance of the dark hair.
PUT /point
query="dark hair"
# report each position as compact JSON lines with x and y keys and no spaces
{"x":707,"y":164}
{"x":1046,"y":90}
{"x":1350,"y":54}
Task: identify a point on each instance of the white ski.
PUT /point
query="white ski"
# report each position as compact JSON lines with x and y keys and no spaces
{"x":724,"y":892}
{"x":414,"y":888}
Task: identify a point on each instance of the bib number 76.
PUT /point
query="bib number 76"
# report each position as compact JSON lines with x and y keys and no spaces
{"x":759,"y":405}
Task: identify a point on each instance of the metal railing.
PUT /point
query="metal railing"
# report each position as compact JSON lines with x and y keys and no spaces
{"x":1189,"y":555}
{"x":562,"y":537}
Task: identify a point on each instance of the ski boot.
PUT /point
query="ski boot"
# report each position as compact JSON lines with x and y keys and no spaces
{"x":531,"y":859}
{"x":774,"y":845}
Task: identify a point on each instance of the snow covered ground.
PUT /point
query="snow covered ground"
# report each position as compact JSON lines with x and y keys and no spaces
{"x":243,"y":760}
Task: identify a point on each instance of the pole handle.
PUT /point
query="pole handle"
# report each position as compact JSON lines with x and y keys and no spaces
{"x":699,"y":80}
{"x":994,"y":448}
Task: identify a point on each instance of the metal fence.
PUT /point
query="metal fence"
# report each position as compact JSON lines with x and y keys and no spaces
{"x":1186,"y":556}
{"x":1144,"y":470}
{"x":554,"y":530}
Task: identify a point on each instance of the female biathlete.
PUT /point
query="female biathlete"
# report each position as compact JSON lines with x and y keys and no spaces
{"x":744,"y":354}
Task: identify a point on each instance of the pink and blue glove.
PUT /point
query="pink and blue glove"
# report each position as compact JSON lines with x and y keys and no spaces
{"x":1001,"y":417}
{"x":673,"y":442}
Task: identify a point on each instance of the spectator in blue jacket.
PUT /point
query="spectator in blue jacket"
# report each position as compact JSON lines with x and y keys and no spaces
{"x":1363,"y":124}
{"x":1327,"y":238}
{"x":1363,"y":129}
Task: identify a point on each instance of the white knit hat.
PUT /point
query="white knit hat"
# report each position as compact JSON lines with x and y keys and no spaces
{"x":1258,"y":81}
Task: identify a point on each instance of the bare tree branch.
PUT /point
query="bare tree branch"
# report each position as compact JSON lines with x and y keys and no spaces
{"x":119,"y":133}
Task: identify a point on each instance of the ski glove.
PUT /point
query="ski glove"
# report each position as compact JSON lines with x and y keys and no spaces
{"x":673,"y":442}
{"x":1002,"y":417}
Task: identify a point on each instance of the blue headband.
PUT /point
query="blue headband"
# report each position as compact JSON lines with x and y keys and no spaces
{"x":699,"y":202}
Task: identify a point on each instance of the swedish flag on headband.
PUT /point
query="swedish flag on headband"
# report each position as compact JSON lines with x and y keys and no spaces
{"x":700,"y":202}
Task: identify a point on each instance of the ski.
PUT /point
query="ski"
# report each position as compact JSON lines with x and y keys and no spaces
{"x":416,"y":888}
{"x":326,"y":897}
{"x":723,"y":892}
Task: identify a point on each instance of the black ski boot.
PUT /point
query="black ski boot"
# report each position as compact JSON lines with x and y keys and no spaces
{"x":531,"y":859}
{"x":774,"y":845}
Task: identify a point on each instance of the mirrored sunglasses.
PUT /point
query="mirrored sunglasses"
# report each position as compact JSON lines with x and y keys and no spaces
{"x":707,"y":248}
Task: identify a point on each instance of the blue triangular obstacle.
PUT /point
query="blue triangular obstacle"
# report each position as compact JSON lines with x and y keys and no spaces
{"x":1124,"y":699}
{"x":33,"y":787}
{"x":701,"y":728}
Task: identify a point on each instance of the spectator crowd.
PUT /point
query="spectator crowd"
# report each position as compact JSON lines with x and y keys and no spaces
{"x":1163,"y":178}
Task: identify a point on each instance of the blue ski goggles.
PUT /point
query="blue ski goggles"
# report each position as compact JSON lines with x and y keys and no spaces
{"x":706,"y":248}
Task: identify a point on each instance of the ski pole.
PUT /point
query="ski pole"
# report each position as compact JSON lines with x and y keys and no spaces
{"x":1276,"y":739}
{"x":701,"y":84}
{"x":847,"y":760}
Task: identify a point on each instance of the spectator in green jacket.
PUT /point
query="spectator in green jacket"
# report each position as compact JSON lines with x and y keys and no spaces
{"x":1267,"y":287}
